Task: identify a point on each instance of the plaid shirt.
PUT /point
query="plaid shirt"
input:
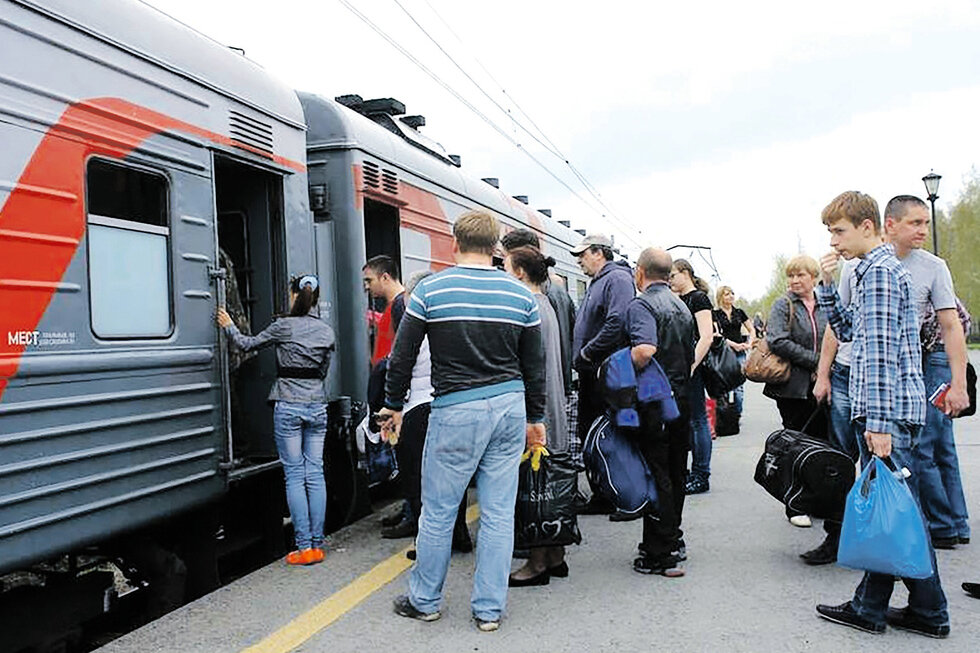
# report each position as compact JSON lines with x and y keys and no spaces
{"x":886,"y":361}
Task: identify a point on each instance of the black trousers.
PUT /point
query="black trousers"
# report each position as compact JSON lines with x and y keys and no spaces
{"x":411,"y":445}
{"x":665,"y":447}
{"x":590,"y":405}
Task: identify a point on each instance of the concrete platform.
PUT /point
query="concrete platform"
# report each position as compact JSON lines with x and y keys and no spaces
{"x":745,"y":588}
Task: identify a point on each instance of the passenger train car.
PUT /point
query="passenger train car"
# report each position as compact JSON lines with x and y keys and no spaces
{"x":141,"y":162}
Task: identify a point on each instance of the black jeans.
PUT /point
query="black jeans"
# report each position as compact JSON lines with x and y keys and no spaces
{"x":665,"y":446}
{"x":415,"y":425}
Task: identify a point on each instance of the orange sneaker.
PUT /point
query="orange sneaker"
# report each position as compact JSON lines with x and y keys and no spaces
{"x":305,"y":557}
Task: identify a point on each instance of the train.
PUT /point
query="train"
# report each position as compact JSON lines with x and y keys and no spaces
{"x":148,"y":173}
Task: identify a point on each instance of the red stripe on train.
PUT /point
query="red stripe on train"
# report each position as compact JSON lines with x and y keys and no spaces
{"x":43,"y":220}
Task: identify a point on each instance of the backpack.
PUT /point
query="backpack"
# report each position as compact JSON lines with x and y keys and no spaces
{"x":617,"y":470}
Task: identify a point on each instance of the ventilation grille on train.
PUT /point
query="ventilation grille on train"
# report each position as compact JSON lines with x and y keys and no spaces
{"x":380,"y":179}
{"x":250,"y":133}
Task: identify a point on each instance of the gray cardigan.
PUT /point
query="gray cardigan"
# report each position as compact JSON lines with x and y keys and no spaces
{"x":797,"y":343}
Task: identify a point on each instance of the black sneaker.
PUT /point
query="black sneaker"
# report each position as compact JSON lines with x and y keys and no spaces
{"x":845,"y":615}
{"x":404,"y":608}
{"x":945,"y":543}
{"x":405,"y":528}
{"x":394,"y":517}
{"x":973,"y":589}
{"x":904,"y":619}
{"x":964,"y":539}
{"x":697,"y":485}
{"x":619,"y":516}
{"x":824,"y":554}
{"x":667,"y":566}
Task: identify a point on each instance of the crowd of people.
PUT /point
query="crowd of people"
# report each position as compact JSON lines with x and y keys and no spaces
{"x":476,"y":364}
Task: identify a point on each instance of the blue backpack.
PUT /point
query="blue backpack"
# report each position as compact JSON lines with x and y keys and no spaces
{"x":618,"y":471}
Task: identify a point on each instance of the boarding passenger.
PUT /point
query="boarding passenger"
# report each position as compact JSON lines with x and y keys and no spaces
{"x":737,"y":330}
{"x":694,"y":292}
{"x":943,"y":361}
{"x":530,"y":266}
{"x":411,"y":440}
{"x":304,"y":344}
{"x":660,"y":326}
{"x":488,"y":378}
{"x":598,"y":333}
{"x":887,"y":396}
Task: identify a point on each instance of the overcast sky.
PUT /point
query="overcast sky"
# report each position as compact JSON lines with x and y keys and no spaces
{"x":722,"y":124}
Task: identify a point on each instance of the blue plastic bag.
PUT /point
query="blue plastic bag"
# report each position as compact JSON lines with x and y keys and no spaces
{"x":883,"y":530}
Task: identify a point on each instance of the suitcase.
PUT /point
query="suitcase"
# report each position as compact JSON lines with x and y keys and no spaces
{"x":618,"y":471}
{"x":807,"y":475}
{"x":726,"y":416}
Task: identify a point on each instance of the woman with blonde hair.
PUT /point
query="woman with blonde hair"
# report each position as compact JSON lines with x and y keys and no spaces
{"x":731,"y":321}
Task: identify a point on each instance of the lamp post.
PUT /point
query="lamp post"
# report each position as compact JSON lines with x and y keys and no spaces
{"x":931,"y":181}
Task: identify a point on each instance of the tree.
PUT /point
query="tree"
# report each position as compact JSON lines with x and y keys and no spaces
{"x":776,"y":289}
{"x":959,"y":243}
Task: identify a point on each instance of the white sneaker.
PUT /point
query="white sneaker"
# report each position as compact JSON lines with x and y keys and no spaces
{"x":801,"y":521}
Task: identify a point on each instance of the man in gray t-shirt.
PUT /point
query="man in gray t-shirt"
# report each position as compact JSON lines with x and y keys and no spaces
{"x":940,"y":488}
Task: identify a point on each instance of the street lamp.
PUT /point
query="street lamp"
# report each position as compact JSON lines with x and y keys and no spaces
{"x":931,"y":181}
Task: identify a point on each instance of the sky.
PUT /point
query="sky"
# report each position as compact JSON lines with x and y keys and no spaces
{"x":720,"y":124}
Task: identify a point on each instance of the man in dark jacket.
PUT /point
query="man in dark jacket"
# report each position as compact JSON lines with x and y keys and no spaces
{"x":598,"y":331}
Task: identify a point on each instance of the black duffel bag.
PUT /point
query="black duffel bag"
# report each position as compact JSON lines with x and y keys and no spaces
{"x":545,"y":511}
{"x":720,"y":369}
{"x":805,"y":474}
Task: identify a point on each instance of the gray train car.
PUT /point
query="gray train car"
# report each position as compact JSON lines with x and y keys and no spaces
{"x":379,"y":186}
{"x":132,"y":145}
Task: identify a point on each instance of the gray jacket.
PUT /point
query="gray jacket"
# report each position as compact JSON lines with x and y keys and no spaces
{"x":305,"y":342}
{"x":799,"y":344}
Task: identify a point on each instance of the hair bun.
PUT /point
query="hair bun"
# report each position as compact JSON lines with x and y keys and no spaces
{"x":550,"y":262}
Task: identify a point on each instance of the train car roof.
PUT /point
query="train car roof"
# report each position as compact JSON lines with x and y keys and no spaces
{"x":332,"y":126}
{"x":158,"y":38}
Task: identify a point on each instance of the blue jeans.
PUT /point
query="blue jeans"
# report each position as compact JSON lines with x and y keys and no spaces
{"x":841,"y":430}
{"x":485,"y":436}
{"x":740,"y":356}
{"x":300,"y":431}
{"x":926,"y":598}
{"x":940,"y":486}
{"x":700,"y":431}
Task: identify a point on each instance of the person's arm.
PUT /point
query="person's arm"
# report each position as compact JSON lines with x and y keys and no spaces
{"x":532,"y":361}
{"x":954,"y":341}
{"x":641,"y":326}
{"x":705,"y":336}
{"x":880,"y":301}
{"x":829,"y":300}
{"x":617,"y":295}
{"x":750,"y":332}
{"x":404,"y":352}
{"x":272,"y":334}
{"x":780,"y":337}
{"x":828,"y":350}
{"x":397,"y":311}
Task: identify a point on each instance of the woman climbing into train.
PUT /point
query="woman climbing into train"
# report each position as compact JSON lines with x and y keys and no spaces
{"x":304,"y":344}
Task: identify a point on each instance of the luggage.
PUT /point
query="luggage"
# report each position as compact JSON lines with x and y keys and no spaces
{"x":726,"y":416}
{"x":721,"y":370}
{"x":807,"y":475}
{"x":618,"y":471}
{"x":545,"y":511}
{"x":617,"y":379}
{"x":883,"y":531}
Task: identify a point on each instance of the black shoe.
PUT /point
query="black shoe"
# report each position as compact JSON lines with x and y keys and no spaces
{"x":411,"y":554}
{"x":561,"y":570}
{"x":665,"y":566}
{"x":540,"y":579}
{"x":903,"y":619}
{"x":964,"y":540}
{"x":405,"y":528}
{"x":618,"y":515}
{"x":945,"y":543}
{"x":404,"y":608}
{"x":395,"y":517}
{"x":845,"y":615}
{"x":824,"y":554}
{"x":597,"y":506}
{"x":973,"y":589}
{"x":697,"y":485}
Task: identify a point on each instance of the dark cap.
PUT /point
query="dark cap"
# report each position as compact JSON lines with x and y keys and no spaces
{"x":592,"y":240}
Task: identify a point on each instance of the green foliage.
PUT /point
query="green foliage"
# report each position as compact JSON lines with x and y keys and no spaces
{"x":959,"y":243}
{"x":776,"y":289}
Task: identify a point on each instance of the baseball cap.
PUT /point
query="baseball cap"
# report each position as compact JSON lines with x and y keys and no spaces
{"x":591,"y":240}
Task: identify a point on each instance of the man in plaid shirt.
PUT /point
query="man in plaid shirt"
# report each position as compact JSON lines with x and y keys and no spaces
{"x":887,"y":393}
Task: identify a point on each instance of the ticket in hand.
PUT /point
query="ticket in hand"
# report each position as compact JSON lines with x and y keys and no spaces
{"x":938,"y":396}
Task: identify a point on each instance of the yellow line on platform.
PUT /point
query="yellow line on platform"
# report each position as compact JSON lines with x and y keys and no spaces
{"x":304,"y":627}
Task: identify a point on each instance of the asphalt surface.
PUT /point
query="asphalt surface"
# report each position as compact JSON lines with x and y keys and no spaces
{"x":745,"y":588}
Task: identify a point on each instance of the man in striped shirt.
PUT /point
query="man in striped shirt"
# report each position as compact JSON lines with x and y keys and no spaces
{"x":887,"y":395}
{"x":489,"y":397}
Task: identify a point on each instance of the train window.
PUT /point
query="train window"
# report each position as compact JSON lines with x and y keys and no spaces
{"x":581,"y":290}
{"x":128,"y":252}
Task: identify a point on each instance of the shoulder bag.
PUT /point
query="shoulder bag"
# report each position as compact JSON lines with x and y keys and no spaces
{"x":763,"y":366}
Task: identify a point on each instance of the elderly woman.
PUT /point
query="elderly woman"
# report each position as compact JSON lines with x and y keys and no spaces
{"x":794,"y":332}
{"x":737,"y":329}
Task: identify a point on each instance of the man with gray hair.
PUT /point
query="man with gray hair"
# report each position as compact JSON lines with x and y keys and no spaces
{"x":659,"y":326}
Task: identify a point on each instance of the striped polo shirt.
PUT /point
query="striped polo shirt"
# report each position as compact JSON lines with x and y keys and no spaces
{"x":484,"y":334}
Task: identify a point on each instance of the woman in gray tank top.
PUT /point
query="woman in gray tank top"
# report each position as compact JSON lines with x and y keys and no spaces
{"x":304,"y":344}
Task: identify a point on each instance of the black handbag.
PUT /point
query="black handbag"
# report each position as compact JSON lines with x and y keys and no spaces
{"x":971,"y":390}
{"x":720,"y":369}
